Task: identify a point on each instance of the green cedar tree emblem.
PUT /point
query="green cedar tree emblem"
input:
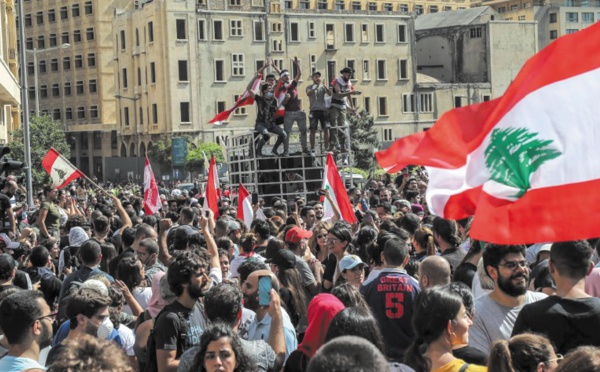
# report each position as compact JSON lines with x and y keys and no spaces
{"x":61,"y":175}
{"x":514,"y":154}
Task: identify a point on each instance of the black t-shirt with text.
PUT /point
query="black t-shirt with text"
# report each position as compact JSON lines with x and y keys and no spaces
{"x":168,"y":327}
{"x":266,"y":109}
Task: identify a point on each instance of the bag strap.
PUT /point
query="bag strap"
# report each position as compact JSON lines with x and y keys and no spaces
{"x":464,"y":367}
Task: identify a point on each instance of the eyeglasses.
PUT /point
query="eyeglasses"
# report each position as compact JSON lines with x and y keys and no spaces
{"x":512,"y":265}
{"x":50,"y":316}
{"x":558,"y":358}
{"x":322,"y":236}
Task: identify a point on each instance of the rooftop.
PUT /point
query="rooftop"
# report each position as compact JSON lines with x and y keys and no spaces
{"x":462,"y":17}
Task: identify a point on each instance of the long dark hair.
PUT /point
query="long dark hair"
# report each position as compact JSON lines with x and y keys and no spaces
{"x":434,"y":308}
{"x":291,"y":280}
{"x":356,"y":321}
{"x":214,"y":332}
{"x":521,"y":353}
{"x":129,"y":271}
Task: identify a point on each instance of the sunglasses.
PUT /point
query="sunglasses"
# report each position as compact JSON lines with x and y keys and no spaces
{"x":321,"y":236}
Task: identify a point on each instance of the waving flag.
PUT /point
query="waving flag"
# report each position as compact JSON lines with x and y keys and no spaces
{"x":524,"y":164}
{"x":245,"y":212}
{"x":213,"y":190}
{"x":244,"y":100}
{"x":151,"y":197}
{"x":334,"y":184}
{"x":61,"y":170}
{"x":280,"y":92}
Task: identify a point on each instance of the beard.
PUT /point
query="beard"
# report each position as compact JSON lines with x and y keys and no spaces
{"x":507,"y":286}
{"x":45,"y":339}
{"x":251,"y":302}
{"x":198,"y":291}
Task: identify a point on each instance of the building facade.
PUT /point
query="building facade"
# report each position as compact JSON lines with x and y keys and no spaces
{"x":10,"y":90}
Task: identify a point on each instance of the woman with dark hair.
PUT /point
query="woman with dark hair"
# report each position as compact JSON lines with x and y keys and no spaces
{"x":221,"y":350}
{"x":226,"y":244}
{"x":224,"y":261}
{"x":582,"y":359}
{"x":356,"y":321}
{"x":366,"y":237}
{"x":339,"y":240}
{"x":445,"y":233}
{"x":350,"y":296}
{"x":49,"y":215}
{"x":318,"y":242}
{"x":283,"y":265}
{"x":440,"y":320}
{"x":524,"y":353}
{"x":424,"y":243}
{"x":131,"y":273}
{"x":108,"y":253}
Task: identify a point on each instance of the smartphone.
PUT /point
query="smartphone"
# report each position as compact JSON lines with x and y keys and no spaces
{"x":359,"y":215}
{"x":264,"y":290}
{"x":254,"y":198}
{"x":206,"y":213}
{"x":321,"y":192}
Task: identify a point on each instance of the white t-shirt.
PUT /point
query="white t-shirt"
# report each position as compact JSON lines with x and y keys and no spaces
{"x":142,"y":295}
{"x":127,"y":339}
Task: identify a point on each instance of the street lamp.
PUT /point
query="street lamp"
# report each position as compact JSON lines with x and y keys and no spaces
{"x":135,"y":98}
{"x":35,"y":70}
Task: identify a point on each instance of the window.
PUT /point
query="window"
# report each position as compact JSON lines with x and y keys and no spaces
{"x":39,"y":16}
{"x":183,"y":71}
{"x":408,"y":102}
{"x":418,"y":9}
{"x":339,"y":5}
{"x":152,"y":72}
{"x":237,"y":64}
{"x":29,"y":43}
{"x":235,"y":27}
{"x":313,"y":63}
{"x":388,"y":7}
{"x":329,"y":36}
{"x":382,"y":109}
{"x":259,"y":34}
{"x":368,"y":105}
{"x":91,"y":58}
{"x":458,"y":101}
{"x":88,"y":8}
{"x":31,"y":91}
{"x":331,"y":71}
{"x":433,"y":9}
{"x":30,"y":68}
{"x":521,"y":18}
{"x":356,"y":5}
{"x":219,"y":70}
{"x":221,"y":106}
{"x":502,"y":9}
{"x":486,"y":97}
{"x":240,"y":111}
{"x":373,"y":6}
{"x":572,"y":17}
{"x":349,"y":32}
{"x":304,"y":4}
{"x":54,"y":64}
{"x":311,"y":30}
{"x":351,"y":64}
{"x":201,"y":30}
{"x":402,"y":33}
{"x":78,"y":61}
{"x":89,"y":34}
{"x":402,"y":69}
{"x":28,"y":22}
{"x":366,"y":75}
{"x":66,"y":63}
{"x":56,"y":114}
{"x":322,"y":4}
{"x":42,"y":67}
{"x":123,"y":40}
{"x":94,"y":115}
{"x":79,"y":87}
{"x":279,"y":63}
{"x":235,"y":2}
{"x":571,"y":30}
{"x":124,"y":74}
{"x":277,"y":46}
{"x":64,"y":13}
{"x":52,"y":40}
{"x":181,"y":29}
{"x":126,"y":115}
{"x":447,"y":8}
{"x":387,"y":134}
{"x":154,"y":113}
{"x":150,"y":32}
{"x":381,"y":69}
{"x":514,"y":7}
{"x":475,"y":32}
{"x":75,"y":10}
{"x":68,"y":113}
{"x":403,"y":8}
{"x":587,"y":17}
{"x":77,"y":36}
{"x":287,"y":4}
{"x":55,"y":90}
{"x":553,"y":18}
{"x":41,"y":42}
{"x":80,"y":112}
{"x":51,"y":16}
{"x":92,"y":86}
{"x":553,"y":34}
{"x":294,"y":36}
{"x":217,"y":30}
{"x":426,"y":101}
{"x":141,"y":114}
{"x":139,"y":77}
{"x":364,"y":33}
{"x":276,"y":26}
{"x":67,"y":89}
{"x":64,"y":37}
{"x":184,"y":109}
{"x":379,"y":34}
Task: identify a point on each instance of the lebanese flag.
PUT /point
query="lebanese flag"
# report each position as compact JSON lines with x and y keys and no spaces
{"x":525,"y":164}
{"x":245,"y":212}
{"x":244,"y":100}
{"x":280,"y":92}
{"x":151,"y":196}
{"x":61,"y":171}
{"x":213,"y":190}
{"x":334,"y":184}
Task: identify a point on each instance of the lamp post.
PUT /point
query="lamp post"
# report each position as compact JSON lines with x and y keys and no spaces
{"x":35,"y":70}
{"x":135,"y":98}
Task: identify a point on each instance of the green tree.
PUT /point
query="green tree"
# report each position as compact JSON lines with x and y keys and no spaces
{"x":160,"y":152}
{"x":363,"y":139}
{"x":44,"y":133}
{"x":195,"y":158}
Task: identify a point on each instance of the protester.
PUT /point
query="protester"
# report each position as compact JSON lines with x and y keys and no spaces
{"x":283,"y":265}
{"x":434,"y":270}
{"x":582,"y":359}
{"x":445,"y":233}
{"x":88,"y":353}
{"x":352,"y":270}
{"x":221,"y":350}
{"x":339,"y":241}
{"x":348,"y":353}
{"x":526,"y":352}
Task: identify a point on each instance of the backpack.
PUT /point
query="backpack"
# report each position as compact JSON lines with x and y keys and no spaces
{"x":151,"y":360}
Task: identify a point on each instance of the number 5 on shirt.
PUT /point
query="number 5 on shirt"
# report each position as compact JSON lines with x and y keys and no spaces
{"x":394,"y":307}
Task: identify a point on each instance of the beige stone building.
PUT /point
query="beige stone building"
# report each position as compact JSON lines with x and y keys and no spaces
{"x":76,"y":83}
{"x":10,"y":90}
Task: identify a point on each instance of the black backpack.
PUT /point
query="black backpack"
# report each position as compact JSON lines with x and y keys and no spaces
{"x":151,"y":361}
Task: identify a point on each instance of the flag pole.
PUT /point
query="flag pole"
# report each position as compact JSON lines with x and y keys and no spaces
{"x":84,"y":175}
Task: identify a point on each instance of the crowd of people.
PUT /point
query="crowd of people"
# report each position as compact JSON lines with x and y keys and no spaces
{"x":88,"y":282}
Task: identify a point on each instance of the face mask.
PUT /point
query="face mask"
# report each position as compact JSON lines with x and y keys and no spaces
{"x":105,"y":329}
{"x":269,"y":95}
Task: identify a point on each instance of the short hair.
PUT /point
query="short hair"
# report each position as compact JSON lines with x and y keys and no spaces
{"x":494,"y":253}
{"x":86,"y":301}
{"x":101,"y":224}
{"x":348,"y":353}
{"x":144,"y":230}
{"x":187,"y":213}
{"x":571,"y":259}
{"x":409,"y":194}
{"x":410,"y":222}
{"x":222,"y":224}
{"x":437,"y":269}
{"x":224,"y":243}
{"x":304,"y":211}
{"x":150,"y":244}
{"x":583,"y":359}
{"x":128,"y":236}
{"x":249,"y":266}
{"x":261,"y":228}
{"x":89,"y":353}
{"x":39,"y":256}
{"x":18,"y":312}
{"x":90,"y":252}
{"x":184,"y":266}
{"x":223,"y":303}
{"x":395,"y":252}
{"x":386,"y":207}
{"x":150,"y":220}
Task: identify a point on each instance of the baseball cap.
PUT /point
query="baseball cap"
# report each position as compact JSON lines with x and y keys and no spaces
{"x":283,"y":258}
{"x":184,"y":231}
{"x":349,"y":262}
{"x":403,"y":202}
{"x":545,"y":248}
{"x":9,"y":243}
{"x":7,"y":263}
{"x":296,"y":234}
{"x":234,"y":225}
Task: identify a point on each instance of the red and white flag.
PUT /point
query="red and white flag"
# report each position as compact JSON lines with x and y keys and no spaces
{"x":244,"y":100}
{"x":61,"y":170}
{"x":245,"y":212}
{"x":523,"y":164}
{"x":334,"y":184}
{"x":213,"y":190}
{"x":280,"y":92}
{"x":151,"y":197}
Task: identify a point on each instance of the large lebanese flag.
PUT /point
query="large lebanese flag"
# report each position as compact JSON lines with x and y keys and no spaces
{"x":334,"y":184}
{"x":525,"y":165}
{"x":151,"y":197}
{"x":244,"y":207}
{"x":61,"y":170}
{"x":213,"y":190}
{"x":244,"y":100}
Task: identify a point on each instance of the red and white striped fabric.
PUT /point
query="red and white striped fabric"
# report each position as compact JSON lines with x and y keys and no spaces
{"x":244,"y":100}
{"x":522,"y":164}
{"x":213,"y":189}
{"x":334,"y":184}
{"x":245,"y":212}
{"x":61,"y":171}
{"x":151,"y":196}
